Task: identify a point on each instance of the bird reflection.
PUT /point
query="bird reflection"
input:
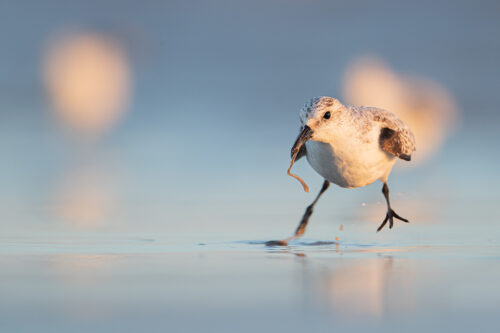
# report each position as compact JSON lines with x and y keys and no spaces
{"x":357,"y":288}
{"x":424,"y":105}
{"x":364,"y":289}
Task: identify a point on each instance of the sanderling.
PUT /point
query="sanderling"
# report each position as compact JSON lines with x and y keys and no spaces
{"x":351,"y":147}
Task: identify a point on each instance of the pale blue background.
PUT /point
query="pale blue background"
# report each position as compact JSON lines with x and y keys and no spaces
{"x":201,"y":155}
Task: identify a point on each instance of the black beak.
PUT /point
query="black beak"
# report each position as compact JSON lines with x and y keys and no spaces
{"x":304,"y":136}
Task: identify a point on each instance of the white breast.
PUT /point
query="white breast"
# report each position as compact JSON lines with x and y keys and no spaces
{"x":348,"y":161}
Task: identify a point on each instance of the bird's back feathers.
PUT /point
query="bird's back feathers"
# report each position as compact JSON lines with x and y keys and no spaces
{"x":395,"y":137}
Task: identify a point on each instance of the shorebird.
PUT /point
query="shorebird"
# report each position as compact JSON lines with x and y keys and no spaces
{"x":351,"y":147}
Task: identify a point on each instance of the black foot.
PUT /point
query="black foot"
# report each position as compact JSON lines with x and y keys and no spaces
{"x":277,"y":243}
{"x":390,"y":217}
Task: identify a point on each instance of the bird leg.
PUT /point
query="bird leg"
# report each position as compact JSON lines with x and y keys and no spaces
{"x":303,"y":222}
{"x":390,"y":213}
{"x":309,"y":210}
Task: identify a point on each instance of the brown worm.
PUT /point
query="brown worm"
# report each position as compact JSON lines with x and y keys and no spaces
{"x":304,"y":185}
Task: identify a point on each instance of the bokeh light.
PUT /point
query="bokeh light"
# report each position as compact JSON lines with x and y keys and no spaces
{"x":88,"y":79}
{"x":85,"y":197}
{"x":424,"y":105}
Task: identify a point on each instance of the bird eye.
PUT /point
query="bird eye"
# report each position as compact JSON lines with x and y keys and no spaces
{"x":327,"y":115}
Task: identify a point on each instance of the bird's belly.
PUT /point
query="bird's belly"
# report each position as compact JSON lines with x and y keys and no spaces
{"x":349,"y":166}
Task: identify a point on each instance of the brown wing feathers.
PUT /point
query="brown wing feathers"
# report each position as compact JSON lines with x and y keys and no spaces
{"x":390,"y":142}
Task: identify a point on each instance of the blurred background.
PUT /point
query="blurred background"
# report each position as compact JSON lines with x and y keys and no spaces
{"x":164,"y":128}
{"x":142,"y":117}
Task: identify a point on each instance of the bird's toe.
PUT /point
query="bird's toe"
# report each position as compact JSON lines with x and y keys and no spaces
{"x":383,"y":223}
{"x":399,"y":217}
{"x":389,"y":217}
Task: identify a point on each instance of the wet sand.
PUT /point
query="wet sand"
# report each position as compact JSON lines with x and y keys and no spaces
{"x":120,"y":283}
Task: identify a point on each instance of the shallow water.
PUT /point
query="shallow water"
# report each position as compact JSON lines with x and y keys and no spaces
{"x":214,"y":272}
{"x":196,"y":260}
{"x":118,"y":282}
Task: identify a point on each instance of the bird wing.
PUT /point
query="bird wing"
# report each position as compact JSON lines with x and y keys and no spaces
{"x":395,"y":137}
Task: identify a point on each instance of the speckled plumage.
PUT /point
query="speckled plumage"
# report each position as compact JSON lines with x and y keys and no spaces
{"x":356,"y":145}
{"x":363,"y":119}
{"x":351,"y":147}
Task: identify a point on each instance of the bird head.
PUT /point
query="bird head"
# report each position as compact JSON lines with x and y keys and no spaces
{"x":318,"y":118}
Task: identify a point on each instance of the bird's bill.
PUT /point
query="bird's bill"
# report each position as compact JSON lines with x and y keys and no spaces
{"x":303,"y":137}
